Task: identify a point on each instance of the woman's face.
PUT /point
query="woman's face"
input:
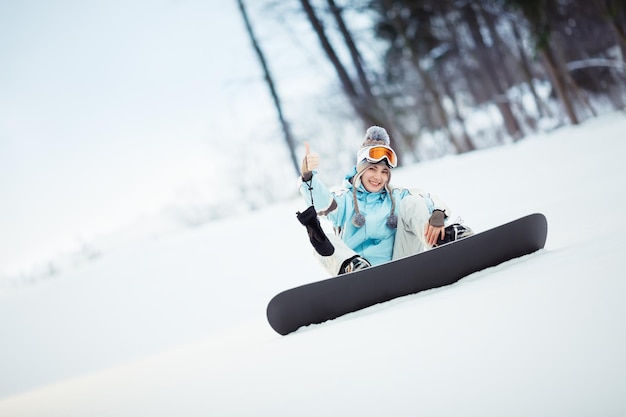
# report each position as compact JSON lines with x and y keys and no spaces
{"x":375,"y":177}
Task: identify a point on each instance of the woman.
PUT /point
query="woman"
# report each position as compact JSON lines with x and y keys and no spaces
{"x":374,"y":222}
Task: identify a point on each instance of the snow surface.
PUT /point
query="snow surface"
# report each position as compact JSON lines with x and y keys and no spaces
{"x":176,"y":325}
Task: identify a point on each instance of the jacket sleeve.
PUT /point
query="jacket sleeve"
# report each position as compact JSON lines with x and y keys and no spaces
{"x":433,"y":202}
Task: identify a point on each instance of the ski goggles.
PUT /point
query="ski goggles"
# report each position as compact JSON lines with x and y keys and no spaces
{"x":376,"y":154}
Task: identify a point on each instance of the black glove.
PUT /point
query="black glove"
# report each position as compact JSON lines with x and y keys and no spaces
{"x":318,"y":238}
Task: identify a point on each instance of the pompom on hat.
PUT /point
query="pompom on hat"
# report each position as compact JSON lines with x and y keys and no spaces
{"x":375,"y":136}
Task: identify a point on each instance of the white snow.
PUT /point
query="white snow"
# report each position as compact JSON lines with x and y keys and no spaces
{"x":176,"y":325}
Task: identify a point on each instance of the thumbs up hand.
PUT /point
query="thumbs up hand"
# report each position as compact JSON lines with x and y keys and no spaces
{"x":310,"y":162}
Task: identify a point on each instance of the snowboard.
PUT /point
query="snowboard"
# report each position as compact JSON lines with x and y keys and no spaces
{"x":324,"y":300}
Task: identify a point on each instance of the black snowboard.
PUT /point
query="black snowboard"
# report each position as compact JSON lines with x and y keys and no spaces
{"x":333,"y":297}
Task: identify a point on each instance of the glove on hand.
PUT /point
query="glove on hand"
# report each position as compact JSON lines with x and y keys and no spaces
{"x":437,"y":218}
{"x":317,"y":237}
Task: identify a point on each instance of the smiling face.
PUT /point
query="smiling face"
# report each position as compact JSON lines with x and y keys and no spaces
{"x":375,"y":177}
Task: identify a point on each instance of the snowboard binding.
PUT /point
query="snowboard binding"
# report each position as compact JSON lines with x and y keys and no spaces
{"x":455,"y":231}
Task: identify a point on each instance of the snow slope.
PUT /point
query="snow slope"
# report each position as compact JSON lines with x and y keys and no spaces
{"x":176,"y":325}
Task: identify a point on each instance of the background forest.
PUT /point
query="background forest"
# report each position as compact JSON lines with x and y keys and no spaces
{"x":452,"y":76}
{"x":124,"y":121}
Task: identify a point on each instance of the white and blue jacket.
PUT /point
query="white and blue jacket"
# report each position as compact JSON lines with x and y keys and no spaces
{"x":374,"y":240}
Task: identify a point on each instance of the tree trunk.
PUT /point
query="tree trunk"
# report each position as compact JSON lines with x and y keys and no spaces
{"x":558,"y":83}
{"x":411,"y":46}
{"x":444,"y":122}
{"x":567,"y":77}
{"x":357,"y":61}
{"x":465,"y":142}
{"x":270,"y":83}
{"x":542,"y":108}
{"x":610,"y":11}
{"x":366,"y":104}
{"x":492,"y":79}
{"x":501,"y":50}
{"x":370,"y":115}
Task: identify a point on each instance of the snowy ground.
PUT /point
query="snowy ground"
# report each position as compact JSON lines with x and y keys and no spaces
{"x":176,"y":325}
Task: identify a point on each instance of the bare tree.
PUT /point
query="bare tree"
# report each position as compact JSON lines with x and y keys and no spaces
{"x":614,"y":11}
{"x":271,"y":85}
{"x":492,"y":76}
{"x":441,"y":60}
{"x":365,"y":104}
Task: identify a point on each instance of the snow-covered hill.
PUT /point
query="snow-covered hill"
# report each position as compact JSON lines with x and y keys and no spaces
{"x":176,"y":325}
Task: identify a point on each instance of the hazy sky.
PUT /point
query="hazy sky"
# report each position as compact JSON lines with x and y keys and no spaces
{"x":107,"y":107}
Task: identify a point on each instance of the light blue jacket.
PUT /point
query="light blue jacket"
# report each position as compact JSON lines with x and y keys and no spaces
{"x":374,"y":240}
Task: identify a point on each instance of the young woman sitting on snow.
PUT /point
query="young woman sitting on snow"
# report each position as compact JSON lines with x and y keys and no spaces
{"x":375,"y":222}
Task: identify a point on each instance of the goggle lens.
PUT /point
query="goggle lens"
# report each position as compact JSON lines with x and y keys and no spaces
{"x":378,"y":153}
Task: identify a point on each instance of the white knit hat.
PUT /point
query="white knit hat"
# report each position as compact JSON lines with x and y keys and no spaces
{"x":374,"y":136}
